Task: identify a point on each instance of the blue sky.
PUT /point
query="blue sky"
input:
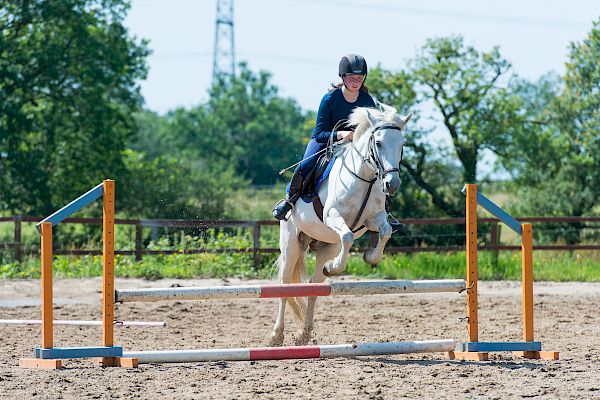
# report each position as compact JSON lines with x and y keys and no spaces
{"x":301,"y":41}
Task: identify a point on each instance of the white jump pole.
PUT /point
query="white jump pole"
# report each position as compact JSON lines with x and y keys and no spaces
{"x":292,"y":352}
{"x":81,"y":323}
{"x":290,"y":290}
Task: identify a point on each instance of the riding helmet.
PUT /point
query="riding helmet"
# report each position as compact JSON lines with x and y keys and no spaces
{"x":352,"y":64}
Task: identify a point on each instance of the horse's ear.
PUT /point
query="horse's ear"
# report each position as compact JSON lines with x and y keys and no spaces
{"x":371,"y":118}
{"x":387,"y":109}
{"x":406,"y":119}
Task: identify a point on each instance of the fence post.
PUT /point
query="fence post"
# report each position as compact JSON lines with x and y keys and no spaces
{"x":138,"y":241}
{"x":17,"y":241}
{"x":495,"y":242}
{"x":256,"y":245}
{"x":47,"y":306}
{"x":527,"y":273}
{"x":108,"y":263}
{"x":472,"y":273}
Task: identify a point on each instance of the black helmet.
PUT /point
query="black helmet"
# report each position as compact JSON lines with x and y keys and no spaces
{"x":352,"y":64}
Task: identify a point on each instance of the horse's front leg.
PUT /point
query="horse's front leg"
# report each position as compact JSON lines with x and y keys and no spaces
{"x":335,"y":221}
{"x":277,"y":334}
{"x":380,"y":224}
{"x":290,"y":253}
{"x":322,"y":254}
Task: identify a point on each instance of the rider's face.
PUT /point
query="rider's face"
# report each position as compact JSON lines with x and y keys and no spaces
{"x":353,"y":82}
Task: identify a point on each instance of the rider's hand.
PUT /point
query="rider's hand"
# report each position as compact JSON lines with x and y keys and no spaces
{"x":346,"y":135}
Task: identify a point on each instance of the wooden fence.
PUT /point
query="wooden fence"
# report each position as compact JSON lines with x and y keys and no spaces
{"x":494,"y":243}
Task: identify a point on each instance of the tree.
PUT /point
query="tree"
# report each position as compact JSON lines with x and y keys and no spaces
{"x":462,"y":87}
{"x":578,"y":111}
{"x":68,"y":86}
{"x":556,"y":167}
{"x":171,"y":187}
{"x":558,"y":159}
{"x":420,"y":157}
{"x":251,"y":124}
{"x":245,"y":124}
{"x":188,"y":162}
{"x":152,"y":136}
{"x":462,"y":84}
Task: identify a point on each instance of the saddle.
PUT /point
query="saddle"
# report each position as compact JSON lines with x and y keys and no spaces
{"x":313,"y":181}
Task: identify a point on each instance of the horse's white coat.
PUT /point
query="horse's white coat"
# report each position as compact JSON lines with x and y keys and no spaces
{"x":342,"y":195}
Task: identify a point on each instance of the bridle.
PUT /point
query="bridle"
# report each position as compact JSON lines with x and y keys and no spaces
{"x":373,"y":160}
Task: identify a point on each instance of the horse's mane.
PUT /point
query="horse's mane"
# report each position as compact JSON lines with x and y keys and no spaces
{"x":359,"y":119}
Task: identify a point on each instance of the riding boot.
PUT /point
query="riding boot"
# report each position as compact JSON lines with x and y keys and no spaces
{"x":284,"y":206}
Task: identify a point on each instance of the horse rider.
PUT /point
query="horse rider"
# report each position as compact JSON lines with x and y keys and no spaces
{"x":334,"y":110}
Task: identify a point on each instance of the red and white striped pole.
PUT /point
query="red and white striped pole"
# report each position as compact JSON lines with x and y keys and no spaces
{"x":292,"y":352}
{"x":290,"y":290}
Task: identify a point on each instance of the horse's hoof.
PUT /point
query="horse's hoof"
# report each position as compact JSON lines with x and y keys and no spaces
{"x":303,"y":339}
{"x":369,"y":258}
{"x":329,"y":270}
{"x":276,"y":341}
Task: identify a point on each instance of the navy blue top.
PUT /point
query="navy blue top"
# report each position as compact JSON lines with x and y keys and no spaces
{"x":335,"y":108}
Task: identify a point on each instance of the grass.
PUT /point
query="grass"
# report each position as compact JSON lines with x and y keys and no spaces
{"x":548,"y":266}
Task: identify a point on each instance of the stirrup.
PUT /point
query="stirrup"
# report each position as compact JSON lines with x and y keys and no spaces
{"x":396,"y":225}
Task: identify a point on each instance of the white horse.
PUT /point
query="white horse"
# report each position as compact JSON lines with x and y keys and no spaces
{"x":354,"y":194}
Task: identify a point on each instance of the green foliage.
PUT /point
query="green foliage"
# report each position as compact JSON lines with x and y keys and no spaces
{"x":266,"y":129}
{"x":153,"y":137}
{"x":417,"y":198}
{"x":169,"y":187}
{"x":244,"y":123}
{"x":558,"y":267}
{"x":70,"y":116}
{"x":393,"y":88}
{"x":68,"y":82}
{"x":578,"y":112}
{"x":556,"y":161}
{"x":462,"y":85}
{"x":188,"y":163}
{"x":253,"y":203}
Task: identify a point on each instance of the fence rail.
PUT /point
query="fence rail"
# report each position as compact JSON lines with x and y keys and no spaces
{"x":256,"y":250}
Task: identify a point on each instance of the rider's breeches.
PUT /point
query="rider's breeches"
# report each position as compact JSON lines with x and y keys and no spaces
{"x":312,"y":148}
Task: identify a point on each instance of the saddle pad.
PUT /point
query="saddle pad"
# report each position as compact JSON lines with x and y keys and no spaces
{"x":307,"y":198}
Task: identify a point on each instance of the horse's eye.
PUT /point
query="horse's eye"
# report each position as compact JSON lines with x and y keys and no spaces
{"x":378,"y":144}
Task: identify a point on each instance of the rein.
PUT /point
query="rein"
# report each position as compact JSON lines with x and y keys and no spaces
{"x":374,"y":162}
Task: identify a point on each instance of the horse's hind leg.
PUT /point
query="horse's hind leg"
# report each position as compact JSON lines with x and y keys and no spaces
{"x":290,"y":252}
{"x":323,"y":252}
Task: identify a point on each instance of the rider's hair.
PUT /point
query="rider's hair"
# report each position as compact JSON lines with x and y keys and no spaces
{"x":334,"y":86}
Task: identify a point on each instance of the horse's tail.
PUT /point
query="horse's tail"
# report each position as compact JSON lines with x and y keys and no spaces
{"x":298,"y":304}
